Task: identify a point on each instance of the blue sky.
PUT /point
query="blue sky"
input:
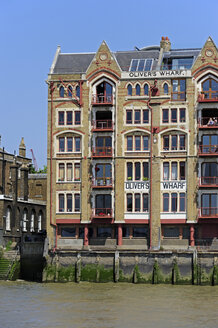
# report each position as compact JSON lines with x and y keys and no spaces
{"x":31,"y":30}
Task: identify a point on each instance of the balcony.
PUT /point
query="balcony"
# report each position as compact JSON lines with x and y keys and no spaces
{"x":208,"y":212}
{"x":208,"y":96}
{"x":102,"y":152}
{"x":102,"y":100}
{"x":102,"y":183}
{"x":102,"y":125}
{"x":208,"y":150}
{"x":208,"y":123}
{"x":102,"y":213}
{"x":209,"y":182}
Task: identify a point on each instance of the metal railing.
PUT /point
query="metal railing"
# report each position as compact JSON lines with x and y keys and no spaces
{"x":208,"y":212}
{"x":208,"y":181}
{"x":208,"y":149}
{"x":104,"y":182}
{"x":102,"y":99}
{"x":211,"y":95}
{"x":102,"y":151}
{"x":102,"y":124}
{"x":102,"y":212}
{"x":208,"y":122}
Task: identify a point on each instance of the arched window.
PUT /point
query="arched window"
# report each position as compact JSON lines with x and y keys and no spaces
{"x":8,"y":219}
{"x":32,"y":221}
{"x":78,"y":91}
{"x":24,"y":220}
{"x":129,"y":89}
{"x":40,"y":221}
{"x":61,"y":92}
{"x":146,"y":90}
{"x":69,"y":91}
{"x":166,"y":89}
{"x":210,"y":89}
{"x":138,"y":90}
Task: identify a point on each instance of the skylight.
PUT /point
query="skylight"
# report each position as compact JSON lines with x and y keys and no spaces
{"x":140,"y":65}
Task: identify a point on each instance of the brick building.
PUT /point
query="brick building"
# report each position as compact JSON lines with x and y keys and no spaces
{"x":22,"y":197}
{"x":132,"y":147}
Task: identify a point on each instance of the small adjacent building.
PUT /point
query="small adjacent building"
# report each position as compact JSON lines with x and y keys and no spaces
{"x":22,"y":198}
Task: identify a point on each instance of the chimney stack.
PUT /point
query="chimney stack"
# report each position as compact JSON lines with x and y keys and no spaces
{"x":165,"y":44}
{"x":24,"y":188}
{"x":22,"y":148}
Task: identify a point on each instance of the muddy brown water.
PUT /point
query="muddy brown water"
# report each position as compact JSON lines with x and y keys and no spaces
{"x":123,"y":305}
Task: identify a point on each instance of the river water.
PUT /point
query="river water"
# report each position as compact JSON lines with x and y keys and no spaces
{"x":90,"y":305}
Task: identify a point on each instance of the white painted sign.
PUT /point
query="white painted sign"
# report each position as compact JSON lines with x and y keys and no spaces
{"x":173,"y":185}
{"x":156,"y":74}
{"x":136,"y":185}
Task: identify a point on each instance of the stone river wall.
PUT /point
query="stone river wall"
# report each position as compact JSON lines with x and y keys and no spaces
{"x":171,"y":267}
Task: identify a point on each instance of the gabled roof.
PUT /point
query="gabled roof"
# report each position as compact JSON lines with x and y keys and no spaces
{"x":72,"y":63}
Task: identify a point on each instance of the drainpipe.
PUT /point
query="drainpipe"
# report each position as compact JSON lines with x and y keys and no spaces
{"x":52,"y":88}
{"x":151,"y":154}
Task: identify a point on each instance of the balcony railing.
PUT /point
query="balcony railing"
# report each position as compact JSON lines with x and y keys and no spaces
{"x":102,"y":100}
{"x":168,"y":67}
{"x":208,"y":122}
{"x":102,"y":213}
{"x":102,"y":152}
{"x":208,"y":150}
{"x":208,"y":181}
{"x":102,"y":125}
{"x":208,"y":212}
{"x":105,"y":182}
{"x":208,"y":96}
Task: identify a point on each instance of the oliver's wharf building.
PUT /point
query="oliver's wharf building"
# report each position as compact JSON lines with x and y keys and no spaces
{"x":133,"y":147}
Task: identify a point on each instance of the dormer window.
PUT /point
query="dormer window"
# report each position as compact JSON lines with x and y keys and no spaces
{"x":140,"y":65}
{"x":177,"y":63}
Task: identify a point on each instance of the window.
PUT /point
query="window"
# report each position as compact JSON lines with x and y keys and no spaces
{"x":137,"y":143}
{"x":209,"y":204}
{"x":72,"y":172}
{"x":40,"y":221}
{"x":61,"y":118}
{"x":182,"y":115}
{"x":103,"y":205}
{"x":104,"y":232}
{"x":129,"y":90}
{"x":61,"y":202}
{"x":174,"y":142}
{"x":179,"y":89}
{"x":165,"y":115}
{"x":209,"y":173}
{"x":69,"y":117}
{"x":61,"y":144}
{"x":69,"y":203}
{"x":65,"y":117}
{"x":175,"y":170}
{"x":140,"y":116}
{"x":129,"y":202}
{"x":61,"y":175}
{"x":77,"y":172}
{"x":137,"y":118}
{"x":177,"y":63}
{"x":174,"y":115}
{"x":77,"y":117}
{"x":25,"y":215}
{"x":210,"y":89}
{"x":69,"y":91}
{"x":137,"y":171}
{"x":73,"y":144}
{"x":174,"y":202}
{"x":129,"y":117}
{"x":166,"y":89}
{"x":68,"y":232}
{"x":140,"y":65}
{"x":138,"y":90}
{"x":61,"y":92}
{"x":146,"y":89}
{"x":8,"y":219}
{"x":209,"y":143}
{"x":137,"y":202}
{"x":78,"y":91}
{"x":103,"y":174}
{"x":32,"y":221}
